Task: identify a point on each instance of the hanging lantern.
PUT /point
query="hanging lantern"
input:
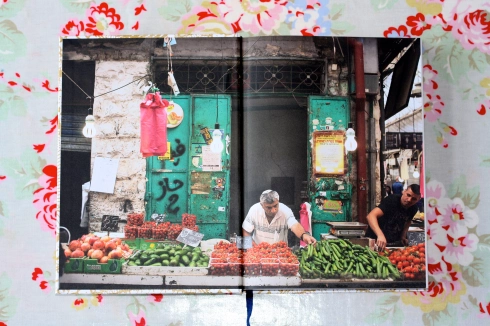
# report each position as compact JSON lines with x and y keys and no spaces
{"x":89,"y":129}
{"x":350,"y":142}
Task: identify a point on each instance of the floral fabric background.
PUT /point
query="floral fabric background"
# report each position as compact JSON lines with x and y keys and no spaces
{"x":456,"y":71}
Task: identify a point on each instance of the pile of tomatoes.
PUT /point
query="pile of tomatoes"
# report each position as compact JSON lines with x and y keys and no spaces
{"x":226,"y":259}
{"x":267,"y":259}
{"x":410,"y":261}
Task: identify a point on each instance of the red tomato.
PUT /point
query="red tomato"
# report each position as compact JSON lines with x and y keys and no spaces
{"x":405,"y":263}
{"x":416,"y":260}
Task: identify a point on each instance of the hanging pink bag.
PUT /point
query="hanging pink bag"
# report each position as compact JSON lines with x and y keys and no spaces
{"x":153,"y":115}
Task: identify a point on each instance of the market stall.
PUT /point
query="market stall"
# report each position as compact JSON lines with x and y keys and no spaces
{"x":160,"y":259}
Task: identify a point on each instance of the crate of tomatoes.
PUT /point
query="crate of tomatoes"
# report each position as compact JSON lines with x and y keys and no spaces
{"x":410,"y":261}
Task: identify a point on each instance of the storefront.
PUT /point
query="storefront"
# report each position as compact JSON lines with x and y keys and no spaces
{"x":272,"y":113}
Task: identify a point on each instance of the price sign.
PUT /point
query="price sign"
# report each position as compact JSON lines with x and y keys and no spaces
{"x":190,"y":238}
{"x":110,"y":223}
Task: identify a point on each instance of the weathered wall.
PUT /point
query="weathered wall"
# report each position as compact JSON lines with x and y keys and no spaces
{"x":118,"y":136}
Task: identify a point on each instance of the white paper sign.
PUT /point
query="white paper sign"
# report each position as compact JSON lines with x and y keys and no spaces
{"x":210,"y":161}
{"x":104,"y":174}
{"x":190,"y":238}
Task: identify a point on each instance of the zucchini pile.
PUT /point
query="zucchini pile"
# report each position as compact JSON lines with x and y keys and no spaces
{"x":335,"y":258}
{"x":168,"y":255}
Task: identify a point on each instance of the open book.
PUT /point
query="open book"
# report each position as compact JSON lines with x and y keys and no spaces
{"x":180,"y":137}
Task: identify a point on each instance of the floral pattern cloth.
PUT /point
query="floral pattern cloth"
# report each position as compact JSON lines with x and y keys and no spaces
{"x":456,"y":82}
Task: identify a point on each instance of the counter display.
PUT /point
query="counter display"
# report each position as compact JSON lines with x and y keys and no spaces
{"x":331,"y":263}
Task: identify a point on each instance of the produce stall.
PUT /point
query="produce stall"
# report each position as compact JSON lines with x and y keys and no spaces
{"x":161,"y":262}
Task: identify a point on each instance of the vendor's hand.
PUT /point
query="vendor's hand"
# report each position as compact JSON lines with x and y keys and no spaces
{"x":309,"y":239}
{"x":381,"y":243}
{"x":405,"y":242}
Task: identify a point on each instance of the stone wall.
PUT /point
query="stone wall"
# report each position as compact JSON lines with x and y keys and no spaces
{"x":118,"y":136}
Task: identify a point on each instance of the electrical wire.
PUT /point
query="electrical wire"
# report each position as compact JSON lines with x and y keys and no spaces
{"x":95,"y":96}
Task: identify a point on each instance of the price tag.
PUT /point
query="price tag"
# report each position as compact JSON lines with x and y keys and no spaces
{"x":110,"y":223}
{"x":190,"y":238}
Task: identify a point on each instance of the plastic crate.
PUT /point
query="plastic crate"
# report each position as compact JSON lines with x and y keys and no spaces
{"x":251,"y":269}
{"x":74,"y":265}
{"x":269,"y":267}
{"x":113,"y":266}
{"x":218,"y":266}
{"x":288,"y":268}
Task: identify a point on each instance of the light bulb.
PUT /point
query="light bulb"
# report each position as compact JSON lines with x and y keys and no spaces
{"x":350,"y":142}
{"x":89,"y":129}
{"x":217,"y":144}
{"x":416,"y":174}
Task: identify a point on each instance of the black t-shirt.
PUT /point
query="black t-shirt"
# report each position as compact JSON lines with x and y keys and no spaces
{"x":394,"y":218}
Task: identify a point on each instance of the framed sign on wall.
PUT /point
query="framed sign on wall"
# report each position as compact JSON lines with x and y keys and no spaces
{"x":328,"y":153}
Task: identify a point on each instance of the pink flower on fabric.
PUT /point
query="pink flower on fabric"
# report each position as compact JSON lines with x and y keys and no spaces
{"x":435,"y":252}
{"x":457,"y":248}
{"x":432,"y":107}
{"x":433,"y":104}
{"x":435,"y":195}
{"x":430,"y":75}
{"x":73,"y":28}
{"x":305,"y":21}
{"x":45,"y":199}
{"x":103,"y":20}
{"x":456,"y":218}
{"x":254,"y":17}
{"x":473,"y":30}
{"x":137,"y":320}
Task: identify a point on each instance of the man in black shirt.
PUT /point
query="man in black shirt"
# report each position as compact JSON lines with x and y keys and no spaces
{"x":389,"y":222}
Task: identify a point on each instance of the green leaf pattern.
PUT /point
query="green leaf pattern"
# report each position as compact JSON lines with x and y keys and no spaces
{"x":13,"y":43}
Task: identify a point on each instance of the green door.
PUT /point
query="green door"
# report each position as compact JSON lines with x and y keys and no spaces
{"x":196,"y":179}
{"x":330,"y":196}
{"x":210,"y":170}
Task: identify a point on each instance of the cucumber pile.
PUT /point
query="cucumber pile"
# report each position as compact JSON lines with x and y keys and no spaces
{"x":168,"y":255}
{"x":340,"y":258}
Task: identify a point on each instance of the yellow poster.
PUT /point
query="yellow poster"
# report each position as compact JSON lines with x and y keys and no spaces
{"x":328,"y":152}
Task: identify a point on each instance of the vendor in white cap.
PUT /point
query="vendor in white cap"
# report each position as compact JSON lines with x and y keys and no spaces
{"x":269,"y":221}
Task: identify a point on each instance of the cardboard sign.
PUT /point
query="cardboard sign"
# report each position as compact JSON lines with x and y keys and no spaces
{"x":190,"y":238}
{"x":110,"y":223}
